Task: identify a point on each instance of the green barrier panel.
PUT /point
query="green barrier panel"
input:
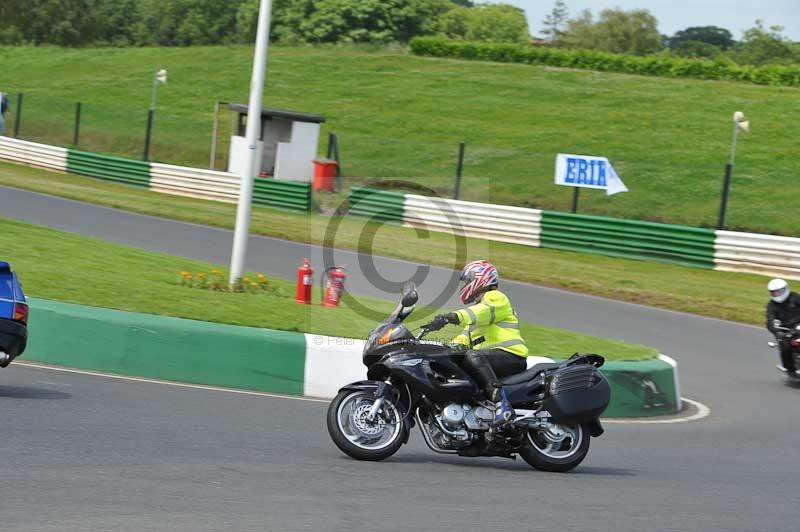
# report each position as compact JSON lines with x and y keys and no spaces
{"x":294,"y":195}
{"x":378,"y":204}
{"x":109,"y":168}
{"x":166,"y":348}
{"x":641,"y":389}
{"x":687,"y":246}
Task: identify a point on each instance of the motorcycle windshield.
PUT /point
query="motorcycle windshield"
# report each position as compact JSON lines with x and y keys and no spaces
{"x":399,"y":314}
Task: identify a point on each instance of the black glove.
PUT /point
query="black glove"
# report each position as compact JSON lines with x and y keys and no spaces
{"x":441,"y":320}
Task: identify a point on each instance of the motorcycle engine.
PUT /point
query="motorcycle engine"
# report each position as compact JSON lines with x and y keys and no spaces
{"x":453,"y":416}
{"x":478,"y":418}
{"x":456,"y":416}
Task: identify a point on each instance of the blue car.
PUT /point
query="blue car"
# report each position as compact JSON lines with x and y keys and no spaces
{"x":13,"y":316}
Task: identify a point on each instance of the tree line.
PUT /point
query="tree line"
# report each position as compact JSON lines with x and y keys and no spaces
{"x":636,"y":32}
{"x":213,"y":22}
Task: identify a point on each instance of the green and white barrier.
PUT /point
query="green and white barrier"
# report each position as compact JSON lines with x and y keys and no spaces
{"x":163,"y":178}
{"x":181,"y":350}
{"x":615,"y":237}
{"x":689,"y":246}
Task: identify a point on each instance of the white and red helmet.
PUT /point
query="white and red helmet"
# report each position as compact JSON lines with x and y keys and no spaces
{"x":477,"y":277}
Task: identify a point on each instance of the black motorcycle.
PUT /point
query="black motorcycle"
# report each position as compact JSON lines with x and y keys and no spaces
{"x":414,"y":381}
{"x":791,"y":336}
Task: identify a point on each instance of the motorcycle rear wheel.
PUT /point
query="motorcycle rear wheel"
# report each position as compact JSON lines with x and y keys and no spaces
{"x":556,"y":456}
{"x":359,"y":438}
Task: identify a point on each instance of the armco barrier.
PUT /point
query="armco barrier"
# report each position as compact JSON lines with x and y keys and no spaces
{"x":754,"y":253}
{"x":502,"y":223}
{"x":687,"y":246}
{"x":174,"y":349}
{"x":159,"y":347}
{"x":222,"y":186}
{"x":33,"y":154}
{"x":294,"y":195}
{"x":194,"y":182}
{"x":721,"y":250}
{"x":109,"y":168}
{"x":382,"y":205}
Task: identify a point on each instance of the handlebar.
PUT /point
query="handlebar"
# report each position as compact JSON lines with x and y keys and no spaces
{"x":423,"y":331}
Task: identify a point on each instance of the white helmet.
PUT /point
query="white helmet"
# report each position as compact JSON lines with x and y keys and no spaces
{"x":778,"y":290}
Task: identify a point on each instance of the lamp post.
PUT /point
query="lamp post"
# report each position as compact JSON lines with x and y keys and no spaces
{"x":739,"y":124}
{"x":159,"y":78}
{"x":252,"y":134}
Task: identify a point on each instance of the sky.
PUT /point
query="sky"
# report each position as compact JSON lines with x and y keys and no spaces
{"x":675,"y":15}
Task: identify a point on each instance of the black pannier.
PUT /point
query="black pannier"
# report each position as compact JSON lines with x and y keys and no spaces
{"x":577,"y":394}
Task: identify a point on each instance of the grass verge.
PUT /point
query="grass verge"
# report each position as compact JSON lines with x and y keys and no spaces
{"x":734,"y":296}
{"x":77,"y":269}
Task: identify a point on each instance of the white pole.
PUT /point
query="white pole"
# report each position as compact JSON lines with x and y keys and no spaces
{"x":253,"y":134}
{"x":214,"y":133}
{"x":154,"y":94}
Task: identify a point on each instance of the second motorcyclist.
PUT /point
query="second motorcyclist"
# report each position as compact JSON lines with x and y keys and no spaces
{"x":491,"y":333}
{"x":783,"y":310}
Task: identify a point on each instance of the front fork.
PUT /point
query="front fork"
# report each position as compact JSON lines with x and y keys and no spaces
{"x":381,"y":393}
{"x":373,"y":411}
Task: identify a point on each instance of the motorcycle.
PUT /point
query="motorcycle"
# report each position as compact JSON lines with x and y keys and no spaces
{"x":416,"y":381}
{"x":790,"y":335}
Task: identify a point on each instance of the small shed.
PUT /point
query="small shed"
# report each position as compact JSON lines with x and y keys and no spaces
{"x":288,"y":145}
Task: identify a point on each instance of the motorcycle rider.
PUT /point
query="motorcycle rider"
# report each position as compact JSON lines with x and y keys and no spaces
{"x":491,"y":333}
{"x":783,"y":310}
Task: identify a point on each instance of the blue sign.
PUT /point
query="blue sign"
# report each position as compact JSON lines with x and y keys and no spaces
{"x":587,"y":171}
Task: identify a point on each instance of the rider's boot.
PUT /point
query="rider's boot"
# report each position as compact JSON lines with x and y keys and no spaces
{"x":503,"y":411}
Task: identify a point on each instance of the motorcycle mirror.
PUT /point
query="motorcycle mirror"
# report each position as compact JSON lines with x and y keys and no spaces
{"x":772,"y":344}
{"x":410,"y":296}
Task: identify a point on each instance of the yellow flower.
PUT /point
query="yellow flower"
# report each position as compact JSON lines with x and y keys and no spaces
{"x":261,"y":276}
{"x":216,"y":272}
{"x":184,"y":274}
{"x":201,"y":275}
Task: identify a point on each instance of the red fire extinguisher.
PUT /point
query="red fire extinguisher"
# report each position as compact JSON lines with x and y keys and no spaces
{"x":332,"y":293}
{"x":305,"y":282}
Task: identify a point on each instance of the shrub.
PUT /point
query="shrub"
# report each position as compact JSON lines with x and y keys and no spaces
{"x":650,"y":65}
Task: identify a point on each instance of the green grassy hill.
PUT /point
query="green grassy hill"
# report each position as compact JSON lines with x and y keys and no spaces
{"x":400,"y":116}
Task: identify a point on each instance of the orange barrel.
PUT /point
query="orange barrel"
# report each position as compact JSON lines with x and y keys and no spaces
{"x":324,"y":174}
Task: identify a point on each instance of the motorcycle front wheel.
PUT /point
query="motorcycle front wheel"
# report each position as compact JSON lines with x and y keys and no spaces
{"x":557,"y":449}
{"x":355,"y":435}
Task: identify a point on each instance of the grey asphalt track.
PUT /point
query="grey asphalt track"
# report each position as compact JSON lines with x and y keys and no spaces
{"x":87,"y":453}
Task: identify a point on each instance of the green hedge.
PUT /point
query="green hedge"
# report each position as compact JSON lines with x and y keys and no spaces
{"x":651,"y":65}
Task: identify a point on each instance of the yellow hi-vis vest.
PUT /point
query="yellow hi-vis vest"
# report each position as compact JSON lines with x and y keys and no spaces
{"x":491,"y":324}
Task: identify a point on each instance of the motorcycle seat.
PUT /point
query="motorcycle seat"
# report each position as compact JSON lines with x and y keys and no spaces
{"x":527,"y":375}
